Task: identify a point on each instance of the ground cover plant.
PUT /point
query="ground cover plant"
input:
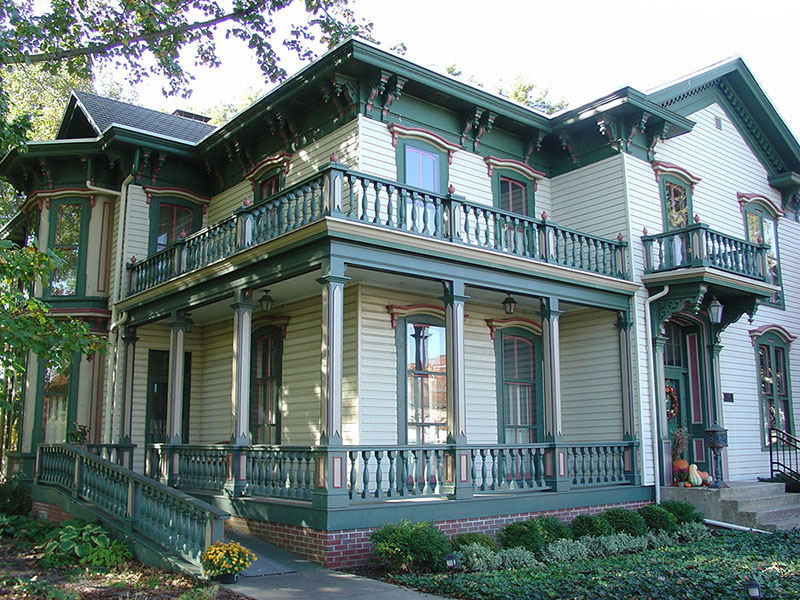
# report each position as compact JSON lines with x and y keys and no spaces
{"x":680,"y":566}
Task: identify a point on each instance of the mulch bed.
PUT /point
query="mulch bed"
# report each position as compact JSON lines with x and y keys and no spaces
{"x":132,"y":581}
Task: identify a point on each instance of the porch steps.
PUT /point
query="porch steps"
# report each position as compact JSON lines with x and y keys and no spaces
{"x":760,"y":505}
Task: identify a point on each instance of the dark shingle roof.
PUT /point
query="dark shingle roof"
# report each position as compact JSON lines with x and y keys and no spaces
{"x":103,"y":112}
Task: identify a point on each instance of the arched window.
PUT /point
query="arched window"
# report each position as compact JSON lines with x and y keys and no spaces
{"x":519,"y":368}
{"x":265,"y":381}
{"x":772,"y":353}
{"x":761,"y":226}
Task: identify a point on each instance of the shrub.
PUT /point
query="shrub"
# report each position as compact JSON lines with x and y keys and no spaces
{"x":627,"y":521}
{"x":593,"y":525}
{"x":658,"y":519}
{"x":86,"y":543}
{"x":563,"y":550}
{"x":684,"y":512}
{"x":516,"y":558}
{"x":477,"y":558}
{"x":408,"y":546}
{"x":14,"y":497}
{"x":553,"y":529}
{"x":615,"y":544}
{"x":465,"y":539}
{"x":691,"y":532}
{"x":661,"y":539}
{"x":523,"y":534}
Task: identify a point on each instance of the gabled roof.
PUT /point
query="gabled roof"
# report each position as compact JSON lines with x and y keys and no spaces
{"x":90,"y":115}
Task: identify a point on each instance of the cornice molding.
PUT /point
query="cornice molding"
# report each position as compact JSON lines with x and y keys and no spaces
{"x":494,"y":162}
{"x":397,"y":311}
{"x":745,"y":198}
{"x":399,"y":131}
{"x":526,"y":324}
{"x":781,"y":332}
{"x":665,"y":168}
{"x":282,"y":159}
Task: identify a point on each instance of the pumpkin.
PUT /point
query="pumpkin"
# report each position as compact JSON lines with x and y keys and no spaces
{"x":687,"y":484}
{"x":680,"y":464}
{"x":694,"y":476}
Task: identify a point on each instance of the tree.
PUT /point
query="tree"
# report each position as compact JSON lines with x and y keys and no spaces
{"x":27,"y":325}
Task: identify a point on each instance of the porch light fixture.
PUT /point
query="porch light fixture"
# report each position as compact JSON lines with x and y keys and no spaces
{"x":266,"y":301}
{"x":753,"y":589}
{"x":715,"y":311}
{"x":509,"y":305}
{"x":451,"y":561}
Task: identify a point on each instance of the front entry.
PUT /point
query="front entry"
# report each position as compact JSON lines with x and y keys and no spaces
{"x":685,"y":396}
{"x":157,"y":393}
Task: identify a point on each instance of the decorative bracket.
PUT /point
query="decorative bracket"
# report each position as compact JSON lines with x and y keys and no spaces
{"x":377,"y":90}
{"x":393,"y":94}
{"x":658,"y":136}
{"x":485,"y":126}
{"x":608,"y":129}
{"x":471,"y":123}
{"x":637,"y":127}
{"x":670,"y":305}
{"x":162,"y":158}
{"x":568,"y":147}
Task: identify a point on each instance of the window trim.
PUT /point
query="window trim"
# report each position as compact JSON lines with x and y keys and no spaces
{"x":155,"y":209}
{"x":662,"y":188}
{"x":502,"y":168}
{"x":279,"y":333}
{"x":402,"y":372}
{"x":83,"y":239}
{"x":263,"y":178}
{"x":528,"y":334}
{"x":444,"y":167}
{"x":765,"y":212}
{"x":773,"y":337}
{"x":72,"y":400}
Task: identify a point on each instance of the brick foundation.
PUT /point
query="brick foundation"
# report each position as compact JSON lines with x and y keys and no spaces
{"x":351,"y":547}
{"x":45,"y":511}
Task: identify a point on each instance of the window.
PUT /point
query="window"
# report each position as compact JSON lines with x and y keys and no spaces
{"x":425,"y":374}
{"x":774,"y":392}
{"x":169,"y":216}
{"x":762,"y":227}
{"x":158,"y":397}
{"x":56,"y":404}
{"x":67,"y":236}
{"x":422,"y":168}
{"x":513,"y":196}
{"x":269,"y":186}
{"x":265,"y":382}
{"x":519,"y":370}
{"x":677,"y":201}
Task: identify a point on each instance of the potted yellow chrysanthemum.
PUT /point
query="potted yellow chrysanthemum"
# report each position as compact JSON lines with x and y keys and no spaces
{"x":223,"y":561}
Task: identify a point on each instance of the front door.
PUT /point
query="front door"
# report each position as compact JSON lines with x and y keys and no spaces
{"x":157,"y":394}
{"x":685,"y":396}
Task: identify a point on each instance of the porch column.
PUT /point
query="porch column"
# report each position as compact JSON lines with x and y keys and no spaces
{"x":552,"y":368}
{"x":330,"y":489}
{"x":331,"y":389}
{"x":457,"y":463}
{"x":714,"y":350}
{"x":557,"y":457}
{"x":623,"y":325}
{"x":659,"y":343}
{"x":179,"y":326}
{"x":129,"y":340}
{"x":240,"y":393}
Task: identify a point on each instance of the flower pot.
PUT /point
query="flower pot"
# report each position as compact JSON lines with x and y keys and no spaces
{"x":226,"y":578}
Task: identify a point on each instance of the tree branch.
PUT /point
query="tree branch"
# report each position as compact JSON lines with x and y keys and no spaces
{"x":105,"y":48}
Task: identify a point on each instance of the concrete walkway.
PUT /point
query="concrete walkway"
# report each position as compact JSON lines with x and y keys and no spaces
{"x":284,"y":576}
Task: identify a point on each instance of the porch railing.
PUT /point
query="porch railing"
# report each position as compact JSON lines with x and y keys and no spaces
{"x":699,"y":246}
{"x":120,"y":454}
{"x":784,"y":454}
{"x":169,"y":518}
{"x":374,"y":473}
{"x":339,"y":192}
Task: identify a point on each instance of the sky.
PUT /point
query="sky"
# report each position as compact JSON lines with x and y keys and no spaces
{"x":578,"y":49}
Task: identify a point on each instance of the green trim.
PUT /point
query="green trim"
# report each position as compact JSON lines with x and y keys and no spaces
{"x":500,"y":379}
{"x":269,"y":174}
{"x":72,"y":398}
{"x":65,"y":302}
{"x":400,"y":155}
{"x":80,"y":280}
{"x":772,"y":340}
{"x":155,"y":207}
{"x":530,"y":195}
{"x":278,"y":333}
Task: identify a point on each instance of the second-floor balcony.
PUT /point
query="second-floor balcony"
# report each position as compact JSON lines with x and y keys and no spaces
{"x":698,"y":246}
{"x":339,"y":193}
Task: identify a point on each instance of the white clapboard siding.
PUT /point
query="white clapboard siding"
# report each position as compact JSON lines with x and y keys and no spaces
{"x":480,"y":373}
{"x":543,"y":200}
{"x":217,"y":413}
{"x":316,"y":156}
{"x":223,"y":204}
{"x":591,"y":199}
{"x":470,"y":178}
{"x":376,"y":155}
{"x":301,"y":376}
{"x":137,"y":224}
{"x":591,"y":394}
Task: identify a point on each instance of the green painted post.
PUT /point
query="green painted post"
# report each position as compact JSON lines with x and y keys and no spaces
{"x":333,"y":187}
{"x":330,"y":482}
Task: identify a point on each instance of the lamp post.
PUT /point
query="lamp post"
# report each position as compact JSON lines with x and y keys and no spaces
{"x":509,"y":305}
{"x":451,"y":561}
{"x":753,"y":589}
{"x":716,"y":440}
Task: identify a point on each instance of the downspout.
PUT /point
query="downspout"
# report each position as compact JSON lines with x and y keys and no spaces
{"x":113,"y":330}
{"x":651,"y":376}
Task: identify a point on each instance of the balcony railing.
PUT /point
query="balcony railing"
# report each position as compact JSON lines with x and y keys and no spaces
{"x":699,"y":246}
{"x":339,"y":192}
{"x":375,"y":473}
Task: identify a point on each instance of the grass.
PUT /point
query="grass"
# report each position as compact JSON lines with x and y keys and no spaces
{"x":714,"y":569}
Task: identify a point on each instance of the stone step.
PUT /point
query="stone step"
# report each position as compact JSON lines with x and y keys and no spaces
{"x":773,"y":515}
{"x":765,"y":502}
{"x":750,"y":490}
{"x":780,"y":525}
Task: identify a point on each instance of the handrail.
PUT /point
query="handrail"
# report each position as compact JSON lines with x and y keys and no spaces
{"x":784,"y":454}
{"x":175,"y":521}
{"x":336,"y":191}
{"x":699,"y":246}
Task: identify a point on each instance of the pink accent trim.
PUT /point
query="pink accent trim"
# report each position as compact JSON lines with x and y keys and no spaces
{"x":338,"y":475}
{"x":281,"y":322}
{"x":627,"y":460}
{"x":174,"y":191}
{"x":425,"y":135}
{"x":493,"y":162}
{"x":774,"y":209}
{"x":464,"y":463}
{"x":532,"y":326}
{"x":694,"y":378}
{"x":699,"y":450}
{"x":562,"y":463}
{"x":92,"y":200}
{"x":661,"y":168}
{"x":776,"y":329}
{"x":548,"y":464}
{"x":271,"y":161}
{"x":92,"y":312}
{"x":102,"y":263}
{"x":320,"y":471}
{"x":397,"y":311}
